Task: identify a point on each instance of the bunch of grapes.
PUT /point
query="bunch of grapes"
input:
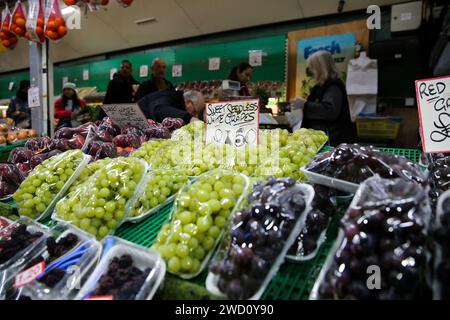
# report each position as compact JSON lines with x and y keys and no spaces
{"x":161,"y":184}
{"x":45,"y":182}
{"x":88,"y":171}
{"x":202,"y":211}
{"x":148,"y":149}
{"x":100,"y":204}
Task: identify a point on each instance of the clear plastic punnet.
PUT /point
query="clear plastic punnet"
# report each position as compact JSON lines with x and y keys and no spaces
{"x":441,"y":283}
{"x":161,"y":186}
{"x":381,"y":248}
{"x":20,"y":242}
{"x":67,"y":259}
{"x":439,"y":177}
{"x":102,"y":203}
{"x":349,"y":165}
{"x":201,"y":212}
{"x":149,"y":149}
{"x":126,"y":271}
{"x":48,"y":183}
{"x":10,"y":179}
{"x":258,"y":238}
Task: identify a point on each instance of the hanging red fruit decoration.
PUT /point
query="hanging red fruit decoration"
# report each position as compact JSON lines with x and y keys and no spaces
{"x":7,"y":38}
{"x":125,"y":3}
{"x":55,"y":28}
{"x":19,"y":21}
{"x":36,"y":21}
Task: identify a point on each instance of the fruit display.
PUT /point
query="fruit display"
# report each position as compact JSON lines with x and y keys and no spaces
{"x":125,"y":272}
{"x":19,"y":20}
{"x":100,"y":204}
{"x":441,"y":286}
{"x":439,"y":177}
{"x":259,"y":237}
{"x":10,"y":179}
{"x":87,"y":171}
{"x":201,"y":211}
{"x":45,"y":183}
{"x":148,"y":149}
{"x":386,"y":227}
{"x":8,"y":38}
{"x":317,"y":221}
{"x":160,"y":186}
{"x":56,"y":28}
{"x":35,"y":21}
{"x":3,"y":223}
{"x":355,"y":163}
{"x":9,"y":212}
{"x":177,"y":289}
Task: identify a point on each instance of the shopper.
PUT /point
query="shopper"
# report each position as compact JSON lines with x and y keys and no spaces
{"x":243,"y":74}
{"x":68,"y":107}
{"x":18,"y":107}
{"x":188,"y":105}
{"x":327,"y":107}
{"x":157,"y":82}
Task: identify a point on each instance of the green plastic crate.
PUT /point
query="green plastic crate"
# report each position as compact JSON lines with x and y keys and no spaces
{"x":411,"y":154}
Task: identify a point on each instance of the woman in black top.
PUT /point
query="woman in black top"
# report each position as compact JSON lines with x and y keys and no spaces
{"x":327,"y":106}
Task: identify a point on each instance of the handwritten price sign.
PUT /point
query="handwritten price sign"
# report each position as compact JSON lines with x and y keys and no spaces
{"x":126,"y":115}
{"x":433,"y":99}
{"x":233,"y":122}
{"x":28,"y":276}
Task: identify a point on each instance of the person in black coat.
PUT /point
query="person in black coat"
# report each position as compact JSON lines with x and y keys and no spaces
{"x":159,"y":105}
{"x":157,"y":82}
{"x":120,"y":88}
{"x":327,"y":107}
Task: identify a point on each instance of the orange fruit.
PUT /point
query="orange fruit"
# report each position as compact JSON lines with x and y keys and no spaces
{"x":60,"y":22}
{"x":6,"y":43}
{"x":13,"y":26}
{"x":40,"y":22}
{"x":51,"y":25}
{"x":20,"y":32}
{"x":21,"y":22}
{"x":39,"y":31}
{"x":62,"y":31}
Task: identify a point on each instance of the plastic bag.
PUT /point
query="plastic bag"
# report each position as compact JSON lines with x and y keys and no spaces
{"x":68,"y":249}
{"x":9,"y":39}
{"x":125,"y":3}
{"x":160,"y":189}
{"x":201,"y":211}
{"x":439,"y":177}
{"x":385,"y":229}
{"x":441,"y":282}
{"x":258,"y":239}
{"x":10,"y":179}
{"x":20,"y":242}
{"x":349,"y":165}
{"x":55,"y":28}
{"x":142,"y":268}
{"x":48,"y":182}
{"x":100,"y":204}
{"x":36,"y":21}
{"x":18,"y":23}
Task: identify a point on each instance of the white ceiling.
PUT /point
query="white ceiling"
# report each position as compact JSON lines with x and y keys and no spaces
{"x":115,"y":29}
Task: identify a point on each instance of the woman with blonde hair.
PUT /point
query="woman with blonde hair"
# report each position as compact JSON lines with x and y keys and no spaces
{"x":327,"y":106}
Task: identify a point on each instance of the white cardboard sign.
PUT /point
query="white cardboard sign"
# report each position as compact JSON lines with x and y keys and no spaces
{"x":233,"y":122}
{"x":143,"y":71}
{"x":33,"y":97}
{"x":255,"y":58}
{"x":177,"y":70}
{"x":85,"y":75}
{"x":126,"y":115}
{"x":433,"y":99}
{"x":214,"y":64}
{"x":112,"y":72}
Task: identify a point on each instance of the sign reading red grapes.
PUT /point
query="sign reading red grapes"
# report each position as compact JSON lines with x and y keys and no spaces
{"x":433,"y":99}
{"x":235,"y":123}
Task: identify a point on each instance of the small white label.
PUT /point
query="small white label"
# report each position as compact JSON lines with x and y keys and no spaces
{"x":33,"y":97}
{"x":177,"y":70}
{"x":255,"y":58}
{"x":28,"y":276}
{"x":65,"y":80}
{"x":11,"y":86}
{"x":143,"y":71}
{"x":406,"y":16}
{"x":214,"y":64}
{"x":112,"y":72}
{"x":85,"y":75}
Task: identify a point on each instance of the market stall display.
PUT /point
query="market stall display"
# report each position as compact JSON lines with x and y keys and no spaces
{"x":10,"y":179}
{"x":439,"y":177}
{"x":7,"y":37}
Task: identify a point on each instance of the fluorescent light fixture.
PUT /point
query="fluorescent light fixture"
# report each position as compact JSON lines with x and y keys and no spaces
{"x":146,"y":20}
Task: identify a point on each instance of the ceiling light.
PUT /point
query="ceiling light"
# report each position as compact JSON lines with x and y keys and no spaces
{"x":146,"y":20}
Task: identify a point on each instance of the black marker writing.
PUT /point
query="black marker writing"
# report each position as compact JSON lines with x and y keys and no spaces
{"x":443,"y":127}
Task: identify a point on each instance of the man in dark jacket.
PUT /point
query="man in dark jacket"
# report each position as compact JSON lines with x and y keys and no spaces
{"x":173,"y":104}
{"x":120,"y":88}
{"x":157,"y":82}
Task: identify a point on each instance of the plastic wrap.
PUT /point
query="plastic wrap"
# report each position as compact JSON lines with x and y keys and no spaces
{"x":160,"y":189}
{"x":19,"y":21}
{"x":48,"y":183}
{"x":100,"y":204}
{"x":149,"y":149}
{"x":258,"y":239}
{"x":9,"y":39}
{"x":69,"y":256}
{"x":439,"y":177}
{"x":142,"y":269}
{"x":441,"y":281}
{"x":381,"y":250}
{"x":349,"y":165}
{"x":20,"y":242}
{"x":201,"y":211}
{"x":313,"y":234}
{"x":10,"y":179}
{"x":55,"y":28}
{"x":36,"y":21}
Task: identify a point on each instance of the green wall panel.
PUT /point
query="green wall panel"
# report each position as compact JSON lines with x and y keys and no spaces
{"x":11,"y":77}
